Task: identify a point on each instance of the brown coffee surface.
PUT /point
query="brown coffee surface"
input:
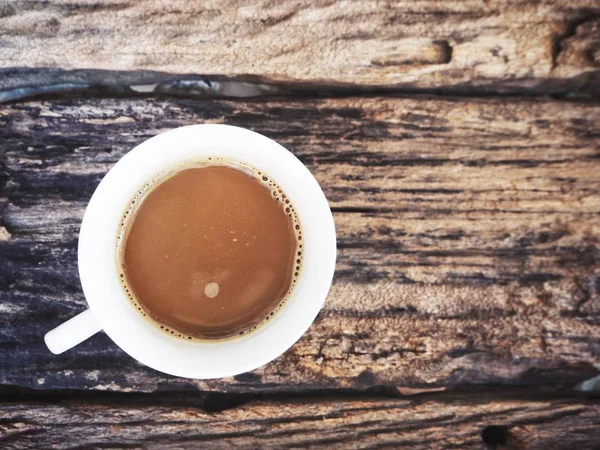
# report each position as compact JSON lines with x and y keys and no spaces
{"x":210,"y":252}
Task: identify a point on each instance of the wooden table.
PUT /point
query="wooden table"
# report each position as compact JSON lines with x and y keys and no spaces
{"x":458,"y":144}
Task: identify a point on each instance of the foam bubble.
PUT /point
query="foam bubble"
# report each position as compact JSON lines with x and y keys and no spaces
{"x":211,"y":290}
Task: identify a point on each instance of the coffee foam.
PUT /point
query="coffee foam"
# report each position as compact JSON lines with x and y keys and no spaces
{"x":129,"y":216}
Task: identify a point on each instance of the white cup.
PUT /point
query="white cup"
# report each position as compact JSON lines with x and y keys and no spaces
{"x":110,"y":309}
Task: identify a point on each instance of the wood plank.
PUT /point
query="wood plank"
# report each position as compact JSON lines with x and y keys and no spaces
{"x":468,"y":238}
{"x":475,"y":45}
{"x":338,"y":424}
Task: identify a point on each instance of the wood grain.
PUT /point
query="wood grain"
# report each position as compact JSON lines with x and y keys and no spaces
{"x":474,"y":44}
{"x":338,"y":424}
{"x":468,"y":239}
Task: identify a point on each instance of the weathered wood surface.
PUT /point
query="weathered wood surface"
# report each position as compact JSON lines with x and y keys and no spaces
{"x":475,"y":45}
{"x":468,"y":229}
{"x":312,"y":422}
{"x":468,"y":239}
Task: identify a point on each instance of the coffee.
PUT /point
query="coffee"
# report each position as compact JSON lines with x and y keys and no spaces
{"x":210,"y":251}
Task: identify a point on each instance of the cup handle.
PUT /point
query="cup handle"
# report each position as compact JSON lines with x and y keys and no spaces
{"x":74,"y":331}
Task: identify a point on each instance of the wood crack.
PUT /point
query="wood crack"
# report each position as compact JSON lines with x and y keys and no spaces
{"x":94,"y":84}
{"x":216,"y":402}
{"x":570,"y":30}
